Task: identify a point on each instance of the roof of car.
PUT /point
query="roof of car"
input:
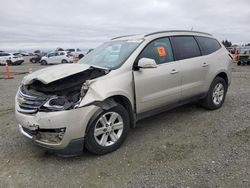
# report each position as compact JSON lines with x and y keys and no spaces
{"x":160,"y":32}
{"x":178,"y":31}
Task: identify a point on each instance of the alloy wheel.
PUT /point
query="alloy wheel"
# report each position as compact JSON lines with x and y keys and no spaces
{"x":108,"y":129}
{"x":218,"y":93}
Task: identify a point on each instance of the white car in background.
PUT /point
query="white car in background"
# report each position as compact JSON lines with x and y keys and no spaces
{"x":11,"y":58}
{"x":56,"y":58}
{"x":75,"y":52}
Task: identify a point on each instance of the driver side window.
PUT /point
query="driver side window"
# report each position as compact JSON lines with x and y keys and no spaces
{"x":160,"y":50}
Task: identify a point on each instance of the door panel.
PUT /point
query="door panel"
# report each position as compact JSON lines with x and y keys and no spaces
{"x":160,"y":86}
{"x":193,"y":66}
{"x":194,"y":72}
{"x":157,"y":87}
{"x":58,"y":59}
{"x":52,"y":59}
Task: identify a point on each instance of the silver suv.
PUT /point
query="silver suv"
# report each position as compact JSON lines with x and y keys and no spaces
{"x":93,"y":103}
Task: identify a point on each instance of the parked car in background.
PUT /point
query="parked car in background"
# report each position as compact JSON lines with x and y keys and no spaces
{"x":75,"y":52}
{"x":23,"y":53}
{"x":94,"y":102}
{"x":231,"y":50}
{"x":243,"y":57}
{"x":55,"y":58}
{"x":11,"y":58}
{"x":36,"y":58}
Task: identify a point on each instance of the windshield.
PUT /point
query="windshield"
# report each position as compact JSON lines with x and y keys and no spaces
{"x":110,"y":54}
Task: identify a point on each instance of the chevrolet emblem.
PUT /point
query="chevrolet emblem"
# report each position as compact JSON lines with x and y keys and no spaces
{"x":20,"y":100}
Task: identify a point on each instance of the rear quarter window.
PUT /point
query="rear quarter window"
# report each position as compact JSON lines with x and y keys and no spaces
{"x":185,"y":47}
{"x":208,"y":45}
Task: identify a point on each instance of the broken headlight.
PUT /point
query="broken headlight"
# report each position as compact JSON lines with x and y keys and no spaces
{"x":84,"y":88}
{"x":58,"y":103}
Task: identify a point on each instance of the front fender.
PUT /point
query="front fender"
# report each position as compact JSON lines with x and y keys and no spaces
{"x":116,"y":83}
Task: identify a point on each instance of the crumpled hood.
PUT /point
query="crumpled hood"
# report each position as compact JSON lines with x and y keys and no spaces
{"x":53,"y":73}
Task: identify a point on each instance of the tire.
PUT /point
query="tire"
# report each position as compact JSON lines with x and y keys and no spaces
{"x":43,"y":62}
{"x":94,"y":144}
{"x":239,"y":63}
{"x":215,"y":99}
{"x":64,"y":61}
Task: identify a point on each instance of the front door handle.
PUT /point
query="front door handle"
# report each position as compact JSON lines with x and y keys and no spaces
{"x":173,"y":71}
{"x":204,"y":64}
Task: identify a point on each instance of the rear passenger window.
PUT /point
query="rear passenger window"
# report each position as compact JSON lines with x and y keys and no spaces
{"x":208,"y":45}
{"x":185,"y":47}
{"x":160,"y":50}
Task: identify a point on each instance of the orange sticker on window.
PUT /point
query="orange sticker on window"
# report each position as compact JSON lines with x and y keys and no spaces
{"x":161,"y":51}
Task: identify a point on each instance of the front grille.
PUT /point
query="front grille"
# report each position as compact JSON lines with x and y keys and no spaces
{"x":29,"y":103}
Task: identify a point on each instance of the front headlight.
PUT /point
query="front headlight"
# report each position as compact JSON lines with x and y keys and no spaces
{"x":58,"y":103}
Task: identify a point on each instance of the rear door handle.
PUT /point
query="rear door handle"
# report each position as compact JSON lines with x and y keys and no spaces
{"x":174,"y":71}
{"x":204,"y":64}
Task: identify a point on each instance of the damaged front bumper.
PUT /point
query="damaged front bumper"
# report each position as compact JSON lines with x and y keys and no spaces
{"x":60,"y":131}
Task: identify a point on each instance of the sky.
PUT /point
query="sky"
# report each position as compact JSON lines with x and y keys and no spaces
{"x":43,"y":24}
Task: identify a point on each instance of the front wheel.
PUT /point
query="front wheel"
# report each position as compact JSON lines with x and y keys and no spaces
{"x":107,"y":131}
{"x":216,"y":94}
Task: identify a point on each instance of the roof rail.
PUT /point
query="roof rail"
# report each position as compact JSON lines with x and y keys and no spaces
{"x":122,"y":36}
{"x":176,"y":31}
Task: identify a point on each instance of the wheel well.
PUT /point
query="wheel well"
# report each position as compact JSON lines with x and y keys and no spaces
{"x":124,"y":101}
{"x":224,"y":76}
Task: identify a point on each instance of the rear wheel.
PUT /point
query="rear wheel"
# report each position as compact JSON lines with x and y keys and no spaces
{"x":64,"y":61}
{"x":216,"y":94}
{"x":107,"y":131}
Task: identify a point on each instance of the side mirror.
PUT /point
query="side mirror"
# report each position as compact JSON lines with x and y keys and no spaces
{"x":146,"y":63}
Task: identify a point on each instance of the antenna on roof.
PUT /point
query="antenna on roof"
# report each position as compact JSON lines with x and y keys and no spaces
{"x":192,"y":28}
